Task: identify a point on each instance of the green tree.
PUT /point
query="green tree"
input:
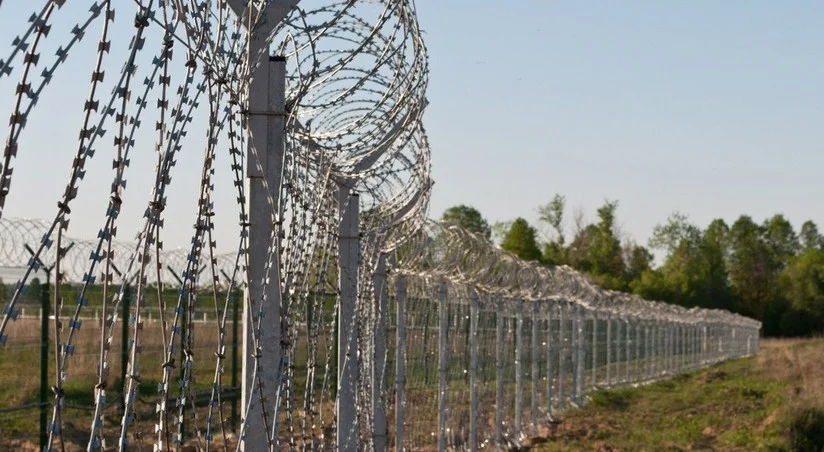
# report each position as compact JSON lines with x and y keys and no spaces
{"x":671,"y":234}
{"x":751,"y":267}
{"x":468,"y":218}
{"x":608,"y":261}
{"x":802,"y":283}
{"x":521,"y":240}
{"x":34,"y":290}
{"x":552,"y":213}
{"x":810,"y":237}
{"x":694,"y":271}
{"x":716,"y":291}
{"x":580,"y":252}
{"x":781,"y":240}
{"x":638,"y":260}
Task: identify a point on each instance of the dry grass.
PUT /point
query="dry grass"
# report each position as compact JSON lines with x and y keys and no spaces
{"x":20,"y":383}
{"x":768,"y":402}
{"x":800,"y":363}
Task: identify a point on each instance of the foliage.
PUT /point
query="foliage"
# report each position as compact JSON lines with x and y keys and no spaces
{"x":806,"y":429}
{"x":552,"y":213}
{"x":766,"y":270}
{"x":810,"y":237}
{"x":521,"y":240}
{"x":35,"y":289}
{"x":468,"y":218}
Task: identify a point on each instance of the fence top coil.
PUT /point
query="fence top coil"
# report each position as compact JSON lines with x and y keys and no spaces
{"x":446,"y":251}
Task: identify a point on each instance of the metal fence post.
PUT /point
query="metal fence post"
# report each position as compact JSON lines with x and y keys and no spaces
{"x":637,"y":351}
{"x":561,"y":353}
{"x":379,"y":366}
{"x":627,"y":350}
{"x":618,"y":344}
{"x":579,"y":352}
{"x":609,"y":351}
{"x":535,"y":373}
{"x":499,"y":372}
{"x":44,"y":360}
{"x":519,"y":373}
{"x":348,"y":250}
{"x":473,"y":372}
{"x":654,"y":339}
{"x":264,"y":165}
{"x":443,"y":365}
{"x":235,"y":324}
{"x":124,"y":344}
{"x":550,"y":342}
{"x":594,"y":349}
{"x":400,"y":361}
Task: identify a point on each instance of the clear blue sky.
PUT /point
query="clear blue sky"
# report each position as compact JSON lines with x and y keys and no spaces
{"x":711,"y":108}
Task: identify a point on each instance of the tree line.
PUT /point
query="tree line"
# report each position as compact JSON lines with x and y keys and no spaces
{"x":765,"y":270}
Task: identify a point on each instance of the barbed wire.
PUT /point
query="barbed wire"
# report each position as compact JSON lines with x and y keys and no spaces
{"x":356,"y":80}
{"x":356,"y":74}
{"x":461,"y":257}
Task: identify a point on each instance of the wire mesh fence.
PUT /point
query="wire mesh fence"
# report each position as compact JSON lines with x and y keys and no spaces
{"x":482,"y":370}
{"x":342,"y":305}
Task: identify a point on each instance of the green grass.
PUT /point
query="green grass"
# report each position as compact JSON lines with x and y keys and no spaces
{"x":770,"y":403}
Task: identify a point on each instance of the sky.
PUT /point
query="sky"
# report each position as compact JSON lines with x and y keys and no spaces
{"x":713,"y":109}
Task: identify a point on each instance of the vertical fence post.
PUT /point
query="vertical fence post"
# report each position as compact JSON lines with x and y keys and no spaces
{"x":692,"y":346}
{"x":535,"y":375}
{"x":579,"y":352}
{"x":519,"y":374}
{"x":618,"y":344}
{"x":550,"y":342}
{"x":473,"y":372}
{"x":573,"y":352}
{"x":266,"y":95}
{"x":348,"y":250}
{"x":379,"y":365}
{"x":654,"y":344}
{"x":638,"y":361}
{"x":684,"y":361}
{"x":665,"y":346}
{"x":499,"y":372}
{"x":44,"y":359}
{"x":704,"y":357}
{"x":594,"y":349}
{"x":235,"y":323}
{"x":124,"y":344}
{"x":673,"y":332}
{"x":609,"y":351}
{"x":400,"y":361}
{"x":627,"y":350}
{"x":443,"y":357}
{"x":561,"y":353}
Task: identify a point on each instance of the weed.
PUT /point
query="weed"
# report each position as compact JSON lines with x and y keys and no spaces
{"x":618,"y":400}
{"x":806,"y":429}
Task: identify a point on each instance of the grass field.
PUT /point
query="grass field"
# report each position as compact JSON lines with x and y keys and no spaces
{"x":761,"y":403}
{"x":771,"y":402}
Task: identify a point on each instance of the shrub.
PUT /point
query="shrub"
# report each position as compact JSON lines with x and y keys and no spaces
{"x":613,"y":400}
{"x":806,"y":429}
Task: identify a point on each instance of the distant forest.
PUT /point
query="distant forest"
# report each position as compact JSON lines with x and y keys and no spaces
{"x":767,"y":270}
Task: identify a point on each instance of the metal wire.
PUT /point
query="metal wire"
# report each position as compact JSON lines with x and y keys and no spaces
{"x":475,"y":327}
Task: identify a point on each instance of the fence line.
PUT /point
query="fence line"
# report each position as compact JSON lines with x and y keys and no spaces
{"x":498,"y":347}
{"x":330,"y":169}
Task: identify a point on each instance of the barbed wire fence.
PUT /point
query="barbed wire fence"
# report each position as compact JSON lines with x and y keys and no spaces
{"x":338,"y":305}
{"x":498,"y":347}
